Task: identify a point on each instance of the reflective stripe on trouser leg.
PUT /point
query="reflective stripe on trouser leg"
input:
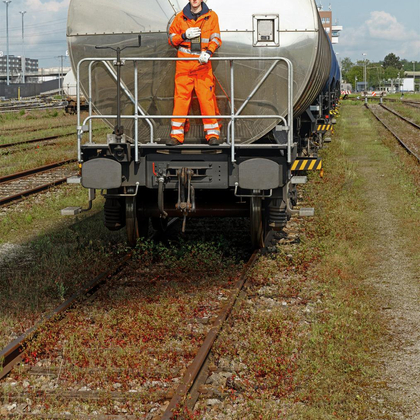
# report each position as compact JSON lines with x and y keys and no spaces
{"x":184,"y":85}
{"x":204,"y":88}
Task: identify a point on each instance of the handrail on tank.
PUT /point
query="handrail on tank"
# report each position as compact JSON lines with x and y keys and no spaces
{"x":231,"y":126}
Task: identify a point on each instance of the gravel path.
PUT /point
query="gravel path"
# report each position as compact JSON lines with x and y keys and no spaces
{"x":395,"y":278}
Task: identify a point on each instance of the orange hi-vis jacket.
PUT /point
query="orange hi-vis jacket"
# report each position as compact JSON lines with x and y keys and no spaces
{"x":191,"y":75}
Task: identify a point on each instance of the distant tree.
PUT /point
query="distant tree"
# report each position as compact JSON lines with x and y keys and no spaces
{"x":353,"y":73}
{"x":391,"y":60}
{"x":392,"y":73}
{"x":409,"y":66}
{"x":346,"y":64}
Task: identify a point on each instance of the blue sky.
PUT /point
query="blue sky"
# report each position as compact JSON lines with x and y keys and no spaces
{"x":376,"y":27}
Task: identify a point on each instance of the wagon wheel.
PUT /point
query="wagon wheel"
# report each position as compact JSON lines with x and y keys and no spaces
{"x":137,"y":226}
{"x":257,"y":222}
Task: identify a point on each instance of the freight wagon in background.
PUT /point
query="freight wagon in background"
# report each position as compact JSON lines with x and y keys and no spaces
{"x":277,"y":82}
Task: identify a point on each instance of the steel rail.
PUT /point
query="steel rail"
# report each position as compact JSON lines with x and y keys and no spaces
{"x":400,"y":116}
{"x":413,"y":104}
{"x":39,"y":140}
{"x":32,"y":109}
{"x":22,"y":174}
{"x":26,"y":193}
{"x":196,"y":366}
{"x":14,"y":130}
{"x":407,"y":148}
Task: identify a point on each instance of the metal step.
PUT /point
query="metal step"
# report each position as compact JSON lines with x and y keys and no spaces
{"x":307,"y":212}
{"x":299,"y":179}
{"x":74,"y":180}
{"x":71,"y":211}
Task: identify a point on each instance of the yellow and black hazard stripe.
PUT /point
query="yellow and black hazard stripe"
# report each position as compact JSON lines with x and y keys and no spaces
{"x":323,"y":128}
{"x":307,"y":165}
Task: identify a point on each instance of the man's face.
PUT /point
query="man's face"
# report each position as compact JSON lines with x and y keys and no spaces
{"x":195,"y":3}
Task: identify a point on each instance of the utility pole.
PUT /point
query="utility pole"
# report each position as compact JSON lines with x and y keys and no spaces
{"x":364,"y":55}
{"x":61,"y":57}
{"x":6,"y":2}
{"x":23,"y":49}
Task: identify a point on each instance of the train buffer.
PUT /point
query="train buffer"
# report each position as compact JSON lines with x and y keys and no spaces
{"x":307,"y":164}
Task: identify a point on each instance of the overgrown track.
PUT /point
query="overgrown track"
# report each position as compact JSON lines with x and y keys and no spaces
{"x":31,"y":106}
{"x":11,"y":354}
{"x":22,"y":184}
{"x":195,"y":374}
{"x":38,"y":140}
{"x":407,"y":136}
{"x":400,"y":116}
{"x":86,"y":297}
{"x":414,"y":104}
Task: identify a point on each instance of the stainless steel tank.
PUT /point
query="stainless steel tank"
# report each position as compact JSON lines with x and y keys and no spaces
{"x":288,"y":28}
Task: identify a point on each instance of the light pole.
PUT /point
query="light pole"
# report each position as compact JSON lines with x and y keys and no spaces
{"x":23,"y":49}
{"x":6,"y":2}
{"x":61,"y":57}
{"x":365,"y":84}
{"x":355,"y":83}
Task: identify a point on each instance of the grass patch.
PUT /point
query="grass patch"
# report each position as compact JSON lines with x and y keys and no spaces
{"x":310,"y":332}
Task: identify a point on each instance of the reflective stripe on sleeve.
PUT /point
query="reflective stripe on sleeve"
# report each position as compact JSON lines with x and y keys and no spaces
{"x":188,"y":51}
{"x":205,"y":40}
{"x":214,"y":36}
{"x":171,"y":36}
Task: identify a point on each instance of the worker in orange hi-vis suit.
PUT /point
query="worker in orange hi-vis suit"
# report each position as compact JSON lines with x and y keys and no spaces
{"x":195,"y":33}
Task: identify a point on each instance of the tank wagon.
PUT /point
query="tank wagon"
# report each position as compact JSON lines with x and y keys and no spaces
{"x":69,"y":88}
{"x":274,"y":69}
{"x":313,"y":127}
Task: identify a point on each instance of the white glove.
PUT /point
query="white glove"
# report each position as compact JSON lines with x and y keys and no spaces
{"x":204,"y":57}
{"x":191,"y":33}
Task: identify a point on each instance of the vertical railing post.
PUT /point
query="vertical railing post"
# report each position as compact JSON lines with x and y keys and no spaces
{"x":79,"y":129}
{"x":289,"y":109}
{"x":136,"y":114}
{"x":90,"y":101}
{"x":232,"y":111}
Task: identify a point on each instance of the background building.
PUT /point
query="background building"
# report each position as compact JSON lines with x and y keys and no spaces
{"x":333,"y":31}
{"x":15,"y":67}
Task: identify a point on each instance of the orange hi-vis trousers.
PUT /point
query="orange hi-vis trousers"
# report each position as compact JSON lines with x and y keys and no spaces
{"x":202,"y":81}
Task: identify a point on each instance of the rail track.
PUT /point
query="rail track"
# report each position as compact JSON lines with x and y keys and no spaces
{"x":186,"y":388}
{"x":13,"y":130}
{"x":414,"y":104}
{"x":31,"y":106}
{"x":22,"y":184}
{"x":38,"y":140}
{"x":405,"y":131}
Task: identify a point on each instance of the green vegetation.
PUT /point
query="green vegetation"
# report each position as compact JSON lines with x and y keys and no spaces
{"x":310,"y":330}
{"x":379,"y":74}
{"x":18,"y":127}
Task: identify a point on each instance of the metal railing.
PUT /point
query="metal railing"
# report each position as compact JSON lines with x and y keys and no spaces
{"x":140,"y":114}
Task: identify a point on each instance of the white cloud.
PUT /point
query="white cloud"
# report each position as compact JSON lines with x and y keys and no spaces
{"x":48,"y":6}
{"x":379,"y":35}
{"x":383,"y":25}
